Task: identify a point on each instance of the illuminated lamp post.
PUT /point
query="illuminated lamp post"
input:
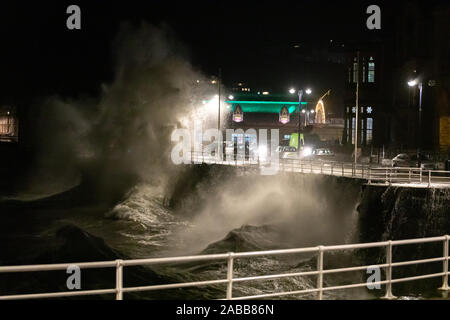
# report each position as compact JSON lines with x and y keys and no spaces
{"x":300,"y":96}
{"x":413,"y":83}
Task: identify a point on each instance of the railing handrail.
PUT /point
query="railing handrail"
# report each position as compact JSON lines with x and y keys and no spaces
{"x":373,"y":174}
{"x":209,"y":257}
{"x":231,"y":256}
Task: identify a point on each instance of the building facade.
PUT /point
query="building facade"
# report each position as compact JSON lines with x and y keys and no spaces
{"x":365,"y":64}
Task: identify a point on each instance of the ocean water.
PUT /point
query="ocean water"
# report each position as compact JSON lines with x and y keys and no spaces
{"x":143,"y":224}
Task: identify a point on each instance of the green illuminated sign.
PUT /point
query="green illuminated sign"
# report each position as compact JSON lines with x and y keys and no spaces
{"x":264,"y":106}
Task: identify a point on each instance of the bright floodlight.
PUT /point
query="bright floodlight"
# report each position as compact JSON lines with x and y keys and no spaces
{"x":307,"y":151}
{"x":231,"y":97}
{"x":291,"y":90}
{"x":412,"y":83}
{"x":308,"y":91}
{"x":262,"y":152}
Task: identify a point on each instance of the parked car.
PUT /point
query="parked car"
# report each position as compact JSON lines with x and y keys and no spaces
{"x":405,"y":160}
{"x":322,"y":154}
{"x":287,"y":152}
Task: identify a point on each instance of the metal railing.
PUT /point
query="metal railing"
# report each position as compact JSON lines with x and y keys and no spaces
{"x":119,"y":265}
{"x":372,"y":174}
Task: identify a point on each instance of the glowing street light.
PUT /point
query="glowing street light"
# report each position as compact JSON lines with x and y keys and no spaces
{"x":413,"y":83}
{"x":300,"y":95}
{"x":231,"y":97}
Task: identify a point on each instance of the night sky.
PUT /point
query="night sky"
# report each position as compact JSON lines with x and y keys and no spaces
{"x":250,"y":41}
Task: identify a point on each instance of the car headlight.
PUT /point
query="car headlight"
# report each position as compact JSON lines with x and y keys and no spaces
{"x":307,"y":151}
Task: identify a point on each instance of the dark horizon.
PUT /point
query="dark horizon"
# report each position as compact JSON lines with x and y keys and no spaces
{"x":264,"y":44}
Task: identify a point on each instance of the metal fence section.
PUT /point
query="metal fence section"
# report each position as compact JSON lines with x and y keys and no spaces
{"x":374,"y":175}
{"x":321,"y":251}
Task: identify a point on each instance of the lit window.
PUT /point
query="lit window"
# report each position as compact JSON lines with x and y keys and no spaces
{"x":353,"y":130}
{"x":371,"y":74}
{"x":8,"y":126}
{"x":348,"y":129}
{"x":369,"y":130}
{"x":355,"y":70}
{"x":369,"y":110}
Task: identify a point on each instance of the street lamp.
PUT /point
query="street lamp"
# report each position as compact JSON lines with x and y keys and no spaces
{"x":300,"y":95}
{"x":413,"y":83}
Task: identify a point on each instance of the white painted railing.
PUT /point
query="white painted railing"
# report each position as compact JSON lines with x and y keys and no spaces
{"x":119,"y":265}
{"x":372,"y":174}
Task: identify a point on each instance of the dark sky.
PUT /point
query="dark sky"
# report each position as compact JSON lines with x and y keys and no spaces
{"x":250,"y":41}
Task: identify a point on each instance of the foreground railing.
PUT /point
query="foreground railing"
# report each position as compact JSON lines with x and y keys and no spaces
{"x":119,"y":265}
{"x":372,"y":174}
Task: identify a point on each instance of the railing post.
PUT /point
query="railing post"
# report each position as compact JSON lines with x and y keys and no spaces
{"x":119,"y":279}
{"x":332,"y":166}
{"x":370,"y":172}
{"x":409,"y":175}
{"x":420,"y":171}
{"x":230,"y":275}
{"x":388,"y":294}
{"x":342,"y":169}
{"x":445,"y":264}
{"x":320,"y":274}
